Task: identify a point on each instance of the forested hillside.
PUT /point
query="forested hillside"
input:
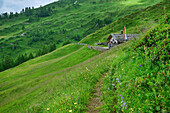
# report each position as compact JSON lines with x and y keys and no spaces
{"x":34,"y":32}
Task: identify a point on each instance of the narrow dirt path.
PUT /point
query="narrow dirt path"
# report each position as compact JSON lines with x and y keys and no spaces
{"x":95,"y":103}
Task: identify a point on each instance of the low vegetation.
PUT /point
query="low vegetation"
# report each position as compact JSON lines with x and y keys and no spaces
{"x":138,"y":80}
{"x":133,"y":81}
{"x":37,"y":74}
{"x":136,"y":73}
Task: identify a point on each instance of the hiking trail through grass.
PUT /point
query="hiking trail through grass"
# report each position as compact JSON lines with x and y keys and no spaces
{"x":95,"y":103}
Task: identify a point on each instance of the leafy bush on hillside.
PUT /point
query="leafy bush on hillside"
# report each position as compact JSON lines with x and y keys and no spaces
{"x":139,"y":80}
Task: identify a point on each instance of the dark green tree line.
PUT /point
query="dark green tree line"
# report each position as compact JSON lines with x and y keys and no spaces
{"x":7,"y":62}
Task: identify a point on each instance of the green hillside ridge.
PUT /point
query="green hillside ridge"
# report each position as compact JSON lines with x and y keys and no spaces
{"x":29,"y":52}
{"x":64,"y":80}
{"x":144,"y":19}
{"x":63,"y":21}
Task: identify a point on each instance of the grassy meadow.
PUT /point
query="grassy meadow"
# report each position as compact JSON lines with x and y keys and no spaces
{"x":58,"y":91}
{"x":135,"y":73}
{"x":138,"y":81}
{"x":25,"y":79}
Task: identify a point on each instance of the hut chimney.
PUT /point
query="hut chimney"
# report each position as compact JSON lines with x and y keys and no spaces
{"x":121,"y":32}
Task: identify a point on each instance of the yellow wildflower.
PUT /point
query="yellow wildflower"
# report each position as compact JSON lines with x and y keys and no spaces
{"x":75,"y":103}
{"x":131,"y":109}
{"x":70,"y":111}
{"x":48,"y":108}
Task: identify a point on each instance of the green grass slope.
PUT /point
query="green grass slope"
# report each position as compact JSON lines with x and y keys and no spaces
{"x":141,"y":80}
{"x":26,"y":78}
{"x":63,"y":80}
{"x":136,"y":23}
{"x":26,"y":89}
{"x":66,"y":21}
{"x":138,"y":81}
{"x":58,"y":53}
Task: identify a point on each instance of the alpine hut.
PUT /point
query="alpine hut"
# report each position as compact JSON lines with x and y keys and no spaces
{"x":115,"y":39}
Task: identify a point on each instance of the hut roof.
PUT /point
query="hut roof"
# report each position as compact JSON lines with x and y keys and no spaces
{"x":120,"y":37}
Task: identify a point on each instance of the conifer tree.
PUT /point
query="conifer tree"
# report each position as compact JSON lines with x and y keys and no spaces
{"x":20,"y":59}
{"x":16,"y":14}
{"x":39,"y":53}
{"x":52,"y":47}
{"x":1,"y":67}
{"x":5,"y":15}
{"x":26,"y":58}
{"x":31,"y":56}
{"x":11,"y":15}
{"x":45,"y":50}
{"x":7,"y":62}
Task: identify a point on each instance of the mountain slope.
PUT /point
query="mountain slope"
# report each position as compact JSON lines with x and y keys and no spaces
{"x":64,"y":21}
{"x":138,"y":81}
{"x":138,"y":22}
{"x":31,"y":76}
{"x":59,"y":82}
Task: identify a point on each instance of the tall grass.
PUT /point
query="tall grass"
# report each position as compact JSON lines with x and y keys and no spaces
{"x":59,"y":82}
{"x":68,"y":89}
{"x":138,"y":80}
